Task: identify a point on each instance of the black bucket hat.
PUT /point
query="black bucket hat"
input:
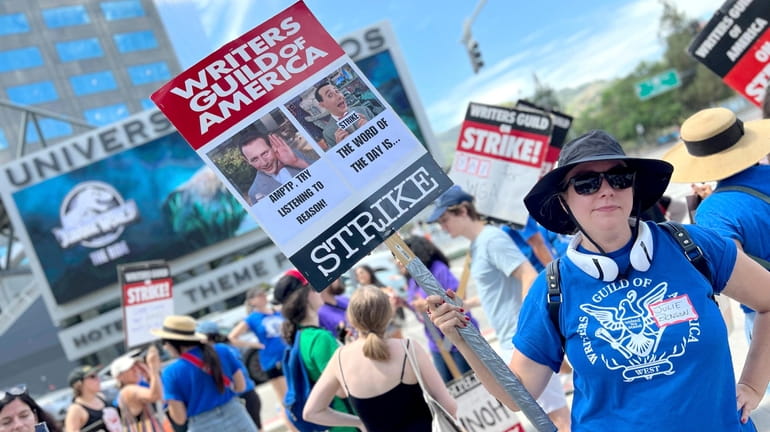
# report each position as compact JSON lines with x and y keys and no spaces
{"x":652,"y":177}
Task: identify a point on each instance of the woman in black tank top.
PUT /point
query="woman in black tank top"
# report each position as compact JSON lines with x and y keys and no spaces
{"x":375,"y":375}
{"x":89,"y":412}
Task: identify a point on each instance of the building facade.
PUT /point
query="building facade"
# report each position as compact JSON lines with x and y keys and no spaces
{"x":87,"y":63}
{"x":92,"y":60}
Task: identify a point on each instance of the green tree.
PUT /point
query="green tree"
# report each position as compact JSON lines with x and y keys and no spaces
{"x":619,"y":110}
{"x":544,"y":95}
{"x":700,"y":86}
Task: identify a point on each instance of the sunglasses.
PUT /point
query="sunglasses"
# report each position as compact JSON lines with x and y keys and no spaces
{"x":10,"y":393}
{"x":619,"y":177}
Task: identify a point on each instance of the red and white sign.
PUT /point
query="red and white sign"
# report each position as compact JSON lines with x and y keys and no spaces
{"x":246,"y":74}
{"x":500,"y":153}
{"x":304,"y":142}
{"x":561,"y":125}
{"x":735,"y":44}
{"x":147,"y":299}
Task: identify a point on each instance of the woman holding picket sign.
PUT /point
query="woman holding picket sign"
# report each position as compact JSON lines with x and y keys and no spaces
{"x":632,"y":303}
{"x":202,"y":385}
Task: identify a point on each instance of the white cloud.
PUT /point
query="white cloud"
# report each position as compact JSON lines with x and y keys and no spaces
{"x":605,"y":49}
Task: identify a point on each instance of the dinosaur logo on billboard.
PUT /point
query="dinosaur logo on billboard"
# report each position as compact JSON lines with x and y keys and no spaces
{"x":93,"y":214}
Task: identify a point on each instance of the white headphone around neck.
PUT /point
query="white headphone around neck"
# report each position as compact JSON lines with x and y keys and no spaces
{"x":605,"y":268}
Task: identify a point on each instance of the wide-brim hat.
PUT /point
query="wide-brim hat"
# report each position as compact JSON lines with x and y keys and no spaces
{"x":179,"y":327}
{"x":542,"y":201}
{"x":715,"y":144}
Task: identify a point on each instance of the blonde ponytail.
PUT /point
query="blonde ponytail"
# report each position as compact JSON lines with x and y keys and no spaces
{"x":369,"y":311}
{"x":375,"y":347}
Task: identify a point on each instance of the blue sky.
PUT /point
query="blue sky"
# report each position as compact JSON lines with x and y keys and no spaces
{"x":565,"y":42}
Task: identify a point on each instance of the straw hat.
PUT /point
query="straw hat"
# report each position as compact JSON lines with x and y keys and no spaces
{"x":179,"y":327}
{"x":652,"y":176}
{"x":715,"y":144}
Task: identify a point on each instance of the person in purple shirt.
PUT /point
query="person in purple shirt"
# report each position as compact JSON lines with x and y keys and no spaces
{"x":331,"y":315}
{"x":438,"y":264}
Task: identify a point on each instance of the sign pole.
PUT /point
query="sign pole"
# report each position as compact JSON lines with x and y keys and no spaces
{"x":497,"y":367}
{"x":464,"y":276}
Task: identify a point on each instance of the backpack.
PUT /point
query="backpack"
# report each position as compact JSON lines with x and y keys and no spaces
{"x":298,"y":388}
{"x":692,"y":252}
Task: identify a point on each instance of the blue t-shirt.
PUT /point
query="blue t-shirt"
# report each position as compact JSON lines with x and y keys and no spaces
{"x":187,"y":383}
{"x":738,"y":215}
{"x":649,"y":351}
{"x":556,"y":243}
{"x":267,"y":327}
{"x":250,"y":384}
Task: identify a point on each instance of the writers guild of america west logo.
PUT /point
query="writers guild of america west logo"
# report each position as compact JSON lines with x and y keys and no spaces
{"x":634,"y":331}
{"x":93,"y":214}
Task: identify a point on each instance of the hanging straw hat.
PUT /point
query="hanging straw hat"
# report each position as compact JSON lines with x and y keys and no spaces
{"x":542,"y":202}
{"x":179,"y":327}
{"x":715,"y":144}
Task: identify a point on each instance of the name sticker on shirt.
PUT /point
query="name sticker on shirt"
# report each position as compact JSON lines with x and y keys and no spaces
{"x":673,"y":311}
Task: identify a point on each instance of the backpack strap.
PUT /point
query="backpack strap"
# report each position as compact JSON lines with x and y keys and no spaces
{"x":553,"y":295}
{"x":199,"y":363}
{"x":692,"y":251}
{"x":745,"y":189}
{"x":757,"y":194}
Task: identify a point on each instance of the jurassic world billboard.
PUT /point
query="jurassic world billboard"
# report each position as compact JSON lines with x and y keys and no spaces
{"x":132,"y":191}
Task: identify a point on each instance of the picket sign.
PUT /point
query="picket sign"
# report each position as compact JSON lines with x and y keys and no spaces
{"x":497,"y":367}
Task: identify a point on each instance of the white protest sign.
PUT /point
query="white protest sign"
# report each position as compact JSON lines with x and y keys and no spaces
{"x":499,"y":154}
{"x":304,"y":141}
{"x":478,"y":410}
{"x":147,"y":300}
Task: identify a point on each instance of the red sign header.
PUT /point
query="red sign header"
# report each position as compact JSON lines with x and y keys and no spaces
{"x":246,"y":74}
{"x":145,"y":292}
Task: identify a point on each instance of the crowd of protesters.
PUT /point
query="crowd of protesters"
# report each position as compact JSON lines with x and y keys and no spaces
{"x":589,"y":229}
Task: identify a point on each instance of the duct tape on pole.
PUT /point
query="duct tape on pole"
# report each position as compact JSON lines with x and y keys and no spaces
{"x":497,"y":367}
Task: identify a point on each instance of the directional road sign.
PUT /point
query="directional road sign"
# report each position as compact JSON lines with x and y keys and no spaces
{"x":658,"y":84}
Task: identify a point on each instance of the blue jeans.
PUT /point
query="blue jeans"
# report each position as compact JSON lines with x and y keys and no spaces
{"x":443,"y":370}
{"x":230,"y":417}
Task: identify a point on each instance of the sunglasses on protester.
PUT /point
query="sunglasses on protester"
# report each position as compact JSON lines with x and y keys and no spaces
{"x":12,"y":392}
{"x":588,"y":183}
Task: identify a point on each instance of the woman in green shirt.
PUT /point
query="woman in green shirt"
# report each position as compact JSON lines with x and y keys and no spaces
{"x":300,"y":304}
